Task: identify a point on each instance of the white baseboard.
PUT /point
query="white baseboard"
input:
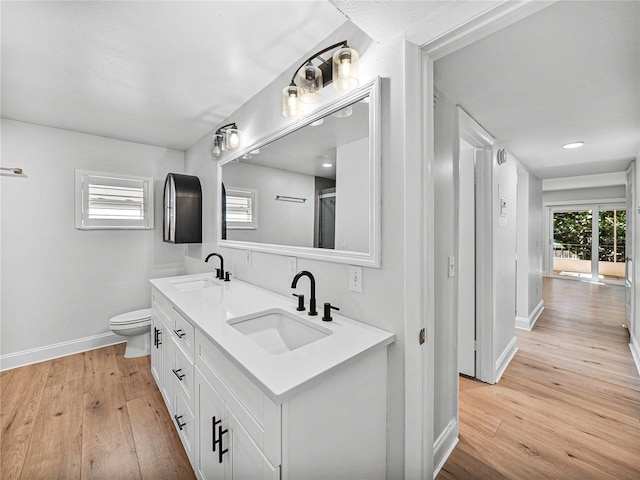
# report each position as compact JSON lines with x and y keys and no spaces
{"x":48,"y":352}
{"x":528,"y":323}
{"x":635,"y":351}
{"x":505,"y":358}
{"x":444,"y":445}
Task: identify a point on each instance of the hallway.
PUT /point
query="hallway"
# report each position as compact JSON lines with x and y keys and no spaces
{"x":568,"y":405}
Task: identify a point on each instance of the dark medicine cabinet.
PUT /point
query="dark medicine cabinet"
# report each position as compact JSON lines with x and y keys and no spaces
{"x":182,"y":209}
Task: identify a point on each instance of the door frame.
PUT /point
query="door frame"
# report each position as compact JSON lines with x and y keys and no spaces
{"x":419,"y":318}
{"x":629,"y":246}
{"x":473,"y":133}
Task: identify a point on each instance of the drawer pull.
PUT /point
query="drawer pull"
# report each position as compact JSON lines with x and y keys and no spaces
{"x":178,"y":374}
{"x":180,"y":333}
{"x":214,"y":422}
{"x":221,"y":452}
{"x":180,"y":425}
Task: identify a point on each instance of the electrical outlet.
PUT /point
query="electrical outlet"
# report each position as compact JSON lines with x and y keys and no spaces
{"x":452,"y":266}
{"x":355,"y":279}
{"x":293,"y":265}
{"x":248,"y":257}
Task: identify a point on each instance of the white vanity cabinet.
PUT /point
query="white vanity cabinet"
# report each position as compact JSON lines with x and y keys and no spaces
{"x":173,"y":369}
{"x":235,"y":425}
{"x":224,"y":448}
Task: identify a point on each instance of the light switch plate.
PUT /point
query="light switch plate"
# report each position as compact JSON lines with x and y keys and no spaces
{"x":293,"y":265}
{"x":355,"y":279}
{"x":452,"y":266}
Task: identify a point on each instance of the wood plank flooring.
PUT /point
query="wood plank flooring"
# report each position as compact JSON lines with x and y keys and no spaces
{"x":568,"y":405}
{"x":90,"y":415}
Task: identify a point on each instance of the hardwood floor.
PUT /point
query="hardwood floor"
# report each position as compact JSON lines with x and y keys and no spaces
{"x":568,"y":405}
{"x":90,"y":415}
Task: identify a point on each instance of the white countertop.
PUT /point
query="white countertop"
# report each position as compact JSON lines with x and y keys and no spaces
{"x":279,"y":376}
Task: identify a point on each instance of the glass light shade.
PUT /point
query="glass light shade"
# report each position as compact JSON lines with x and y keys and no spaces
{"x":310,"y":83}
{"x":217,"y":145}
{"x":291,"y":107}
{"x":345,"y":69}
{"x":232,"y":138}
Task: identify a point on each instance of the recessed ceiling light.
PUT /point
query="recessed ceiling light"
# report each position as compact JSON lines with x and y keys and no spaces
{"x":327,"y":165}
{"x":573,"y":145}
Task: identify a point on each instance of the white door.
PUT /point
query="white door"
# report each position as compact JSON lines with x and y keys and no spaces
{"x":210,"y":410}
{"x":466,"y":261}
{"x":247,"y":460}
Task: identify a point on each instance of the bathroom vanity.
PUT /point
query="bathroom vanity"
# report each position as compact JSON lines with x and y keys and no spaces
{"x":259,"y":390}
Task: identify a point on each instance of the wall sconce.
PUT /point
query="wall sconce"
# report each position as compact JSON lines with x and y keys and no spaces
{"x":309,"y":79}
{"x":225,"y":138}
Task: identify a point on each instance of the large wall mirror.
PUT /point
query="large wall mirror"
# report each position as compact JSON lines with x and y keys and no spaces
{"x":311,"y":189}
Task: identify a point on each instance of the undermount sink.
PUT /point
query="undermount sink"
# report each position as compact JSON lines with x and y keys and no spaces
{"x":278,"y":331}
{"x":195,"y":284}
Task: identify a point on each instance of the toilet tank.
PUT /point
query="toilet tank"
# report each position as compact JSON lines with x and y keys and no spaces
{"x":182,"y":209}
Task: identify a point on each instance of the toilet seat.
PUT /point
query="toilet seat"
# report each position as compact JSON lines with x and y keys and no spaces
{"x":132,"y":318}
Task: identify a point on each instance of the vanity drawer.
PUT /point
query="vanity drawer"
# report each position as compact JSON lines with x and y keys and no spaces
{"x":183,"y":332}
{"x":260,"y":417}
{"x":184,"y":421}
{"x":160,"y":303}
{"x":183,"y":372}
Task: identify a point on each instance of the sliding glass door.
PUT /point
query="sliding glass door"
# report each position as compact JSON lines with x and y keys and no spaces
{"x":589,"y":242}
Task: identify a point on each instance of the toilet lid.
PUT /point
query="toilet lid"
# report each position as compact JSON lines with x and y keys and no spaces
{"x":136,"y":316}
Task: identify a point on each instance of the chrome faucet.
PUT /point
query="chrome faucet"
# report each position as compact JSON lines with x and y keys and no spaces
{"x":219,"y":271}
{"x":312,"y":299}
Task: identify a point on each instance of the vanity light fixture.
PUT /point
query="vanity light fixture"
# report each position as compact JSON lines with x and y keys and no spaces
{"x":327,"y":165}
{"x":573,"y":145}
{"x":309,"y":79}
{"x":225,"y":138}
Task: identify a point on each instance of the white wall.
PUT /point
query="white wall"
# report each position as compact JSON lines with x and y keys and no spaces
{"x":446,"y":327}
{"x":530,"y":249}
{"x":352,"y":208}
{"x":382,"y":302}
{"x":295,"y":220}
{"x":585,"y":194}
{"x":505,"y":180}
{"x":60,"y":284}
{"x":635,"y":327}
{"x":536,"y":243}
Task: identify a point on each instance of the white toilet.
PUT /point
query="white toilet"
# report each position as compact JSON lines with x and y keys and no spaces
{"x":136,"y":326}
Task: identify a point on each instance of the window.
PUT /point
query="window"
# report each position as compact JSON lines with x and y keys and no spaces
{"x":112,"y":201}
{"x":241,"y":208}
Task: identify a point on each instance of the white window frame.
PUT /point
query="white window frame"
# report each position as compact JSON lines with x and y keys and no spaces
{"x":244,"y":193}
{"x":84,"y":222}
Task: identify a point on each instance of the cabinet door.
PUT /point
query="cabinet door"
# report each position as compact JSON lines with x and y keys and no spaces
{"x":157,"y":335}
{"x":247,"y":460}
{"x":168,"y":363}
{"x":210,"y":461}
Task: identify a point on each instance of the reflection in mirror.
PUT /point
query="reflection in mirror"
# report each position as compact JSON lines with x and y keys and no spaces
{"x":307,"y":187}
{"x":312,"y":189}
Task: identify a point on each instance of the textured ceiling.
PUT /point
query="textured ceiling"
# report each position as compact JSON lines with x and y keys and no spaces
{"x":159,"y":73}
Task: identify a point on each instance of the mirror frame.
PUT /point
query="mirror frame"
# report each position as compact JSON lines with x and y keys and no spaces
{"x":368,"y":259}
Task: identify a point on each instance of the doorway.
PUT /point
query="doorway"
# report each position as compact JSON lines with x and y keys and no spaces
{"x":589,"y":242}
{"x":473,"y":249}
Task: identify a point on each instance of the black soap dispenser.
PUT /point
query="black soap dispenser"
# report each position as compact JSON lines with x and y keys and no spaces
{"x":182,"y":209}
